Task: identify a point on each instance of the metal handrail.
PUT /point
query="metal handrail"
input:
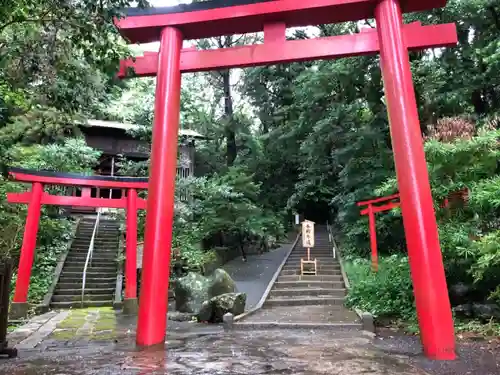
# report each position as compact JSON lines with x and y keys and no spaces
{"x":331,"y":239}
{"x":90,"y":251}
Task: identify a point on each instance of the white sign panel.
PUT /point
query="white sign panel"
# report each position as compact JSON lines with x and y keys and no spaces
{"x":307,"y":234}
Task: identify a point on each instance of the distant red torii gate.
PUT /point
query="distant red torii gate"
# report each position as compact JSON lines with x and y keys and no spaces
{"x":374,"y":206}
{"x":36,"y":197}
{"x":172,"y":25}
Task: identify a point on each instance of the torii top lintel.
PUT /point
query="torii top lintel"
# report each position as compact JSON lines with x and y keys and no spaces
{"x":226,"y":17}
{"x":73,"y":179}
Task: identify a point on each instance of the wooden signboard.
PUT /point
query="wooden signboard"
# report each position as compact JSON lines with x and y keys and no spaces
{"x":308,"y":242}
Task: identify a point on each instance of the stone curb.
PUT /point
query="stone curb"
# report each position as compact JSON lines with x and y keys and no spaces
{"x":117,"y":301}
{"x":277,"y":325}
{"x":269,"y":286}
{"x":366,"y":318}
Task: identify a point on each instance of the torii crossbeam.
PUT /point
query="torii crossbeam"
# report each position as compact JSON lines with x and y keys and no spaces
{"x":391,"y":39}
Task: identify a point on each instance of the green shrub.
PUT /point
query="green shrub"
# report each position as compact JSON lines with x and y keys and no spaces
{"x":387,"y":293}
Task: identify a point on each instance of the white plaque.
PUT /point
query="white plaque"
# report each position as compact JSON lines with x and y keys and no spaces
{"x":307,"y":234}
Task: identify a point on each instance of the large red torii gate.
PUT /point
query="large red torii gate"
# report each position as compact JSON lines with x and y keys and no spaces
{"x":392,"y":39}
{"x":36,"y":197}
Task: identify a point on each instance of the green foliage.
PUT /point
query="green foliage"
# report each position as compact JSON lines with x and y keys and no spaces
{"x":54,"y":241}
{"x":386,"y":293}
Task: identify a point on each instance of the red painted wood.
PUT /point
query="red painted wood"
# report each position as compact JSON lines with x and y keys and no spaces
{"x":131,"y":246}
{"x":58,"y":200}
{"x":29,"y":244}
{"x":70,"y":181}
{"x":426,"y":263}
{"x":274,"y":32}
{"x":378,"y":200}
{"x":416,"y":36}
{"x":252,"y":18}
{"x":377,"y":209}
{"x":153,"y":302}
{"x":373,"y":238}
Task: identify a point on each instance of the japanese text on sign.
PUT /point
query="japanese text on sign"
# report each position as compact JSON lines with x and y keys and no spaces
{"x":307,"y":234}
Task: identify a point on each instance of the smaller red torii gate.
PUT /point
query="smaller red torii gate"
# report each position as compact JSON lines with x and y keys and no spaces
{"x":36,"y":197}
{"x":374,"y":206}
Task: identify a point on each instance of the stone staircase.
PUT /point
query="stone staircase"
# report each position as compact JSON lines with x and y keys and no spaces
{"x":309,"y":300}
{"x":101,"y":273}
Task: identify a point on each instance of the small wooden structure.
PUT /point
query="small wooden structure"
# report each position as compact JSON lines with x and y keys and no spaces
{"x":308,"y":242}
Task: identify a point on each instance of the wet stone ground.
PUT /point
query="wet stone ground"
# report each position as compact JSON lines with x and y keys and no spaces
{"x":233,"y":353}
{"x":207,"y":350}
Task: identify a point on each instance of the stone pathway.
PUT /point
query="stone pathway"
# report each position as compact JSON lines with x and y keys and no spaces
{"x":298,"y":352}
{"x":253,"y":276}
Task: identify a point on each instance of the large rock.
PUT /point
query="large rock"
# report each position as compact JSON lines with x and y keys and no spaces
{"x":460,"y":294}
{"x":221,"y":283}
{"x":194,"y":289}
{"x":213,"y":310}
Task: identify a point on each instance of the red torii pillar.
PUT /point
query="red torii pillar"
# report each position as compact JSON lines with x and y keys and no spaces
{"x":37,"y":197}
{"x":214,"y":18}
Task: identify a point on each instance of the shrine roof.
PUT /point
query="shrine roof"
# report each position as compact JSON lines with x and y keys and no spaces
{"x":127,"y":126}
{"x":226,"y":17}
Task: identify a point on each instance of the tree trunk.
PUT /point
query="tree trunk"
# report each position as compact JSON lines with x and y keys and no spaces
{"x":231,"y":149}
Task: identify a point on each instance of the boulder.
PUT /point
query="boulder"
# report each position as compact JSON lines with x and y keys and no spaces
{"x":192,"y":290}
{"x":221,"y":283}
{"x":460,"y":294}
{"x":478,"y":311}
{"x":485,"y":311}
{"x":213,"y":310}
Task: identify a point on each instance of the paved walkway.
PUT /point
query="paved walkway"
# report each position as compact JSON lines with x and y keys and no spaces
{"x":253,"y":276}
{"x":206,"y":350}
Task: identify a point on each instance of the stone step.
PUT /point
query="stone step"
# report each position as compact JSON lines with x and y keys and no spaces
{"x":91,"y":276}
{"x":323,"y":256}
{"x":95,"y":254}
{"x":320,"y":272}
{"x":310,"y":278}
{"x":320,"y":265}
{"x":93,"y":268}
{"x":312,"y":292}
{"x":75,"y":304}
{"x":326,"y":259}
{"x":86,"y":297}
{"x":309,"y":284}
{"x":95,"y":262}
{"x":100,"y":233}
{"x":77,"y":285}
{"x":86,"y":241}
{"x":88,"y":290}
{"x":303,"y":300}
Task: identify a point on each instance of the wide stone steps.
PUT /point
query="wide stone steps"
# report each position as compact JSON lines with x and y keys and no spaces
{"x":296,"y":271}
{"x":304,"y":300}
{"x":316,"y":292}
{"x":101,"y":274}
{"x":86,"y":297}
{"x":78,"y":304}
{"x":72,"y":262}
{"x":310,"y":278}
{"x":314,"y":284}
{"x":88,"y":290}
{"x":97,"y":256}
{"x":67,"y":285}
